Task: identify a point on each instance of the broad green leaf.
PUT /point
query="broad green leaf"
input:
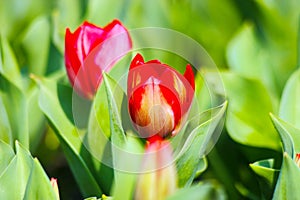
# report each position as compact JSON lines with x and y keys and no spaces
{"x":287,"y":185}
{"x":15,"y":104}
{"x":38,"y":185}
{"x":209,"y":17}
{"x":204,"y":190}
{"x":290,"y":135}
{"x":289,"y":105}
{"x":249,"y":105}
{"x":6,"y":155}
{"x":199,"y":137}
{"x":36,"y":43}
{"x":266,"y":49}
{"x":68,"y":136}
{"x":21,"y":176}
{"x":14,"y":179}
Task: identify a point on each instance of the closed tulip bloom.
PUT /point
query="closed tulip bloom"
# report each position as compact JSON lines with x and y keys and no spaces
{"x":158,"y":96}
{"x":90,"y":50}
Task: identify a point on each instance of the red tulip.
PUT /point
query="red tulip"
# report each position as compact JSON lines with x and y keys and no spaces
{"x":297,"y":160}
{"x":90,"y":50}
{"x":159,"y":97}
{"x":159,"y":177}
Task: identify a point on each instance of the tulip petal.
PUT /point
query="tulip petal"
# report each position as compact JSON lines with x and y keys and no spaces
{"x":159,"y":97}
{"x":137,"y":61}
{"x":189,"y":75}
{"x":90,"y":50}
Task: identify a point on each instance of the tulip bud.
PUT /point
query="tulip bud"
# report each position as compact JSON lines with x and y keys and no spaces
{"x":90,"y":50}
{"x":158,"y":96}
{"x":53,"y":182}
{"x":297,"y":160}
{"x":161,"y":182}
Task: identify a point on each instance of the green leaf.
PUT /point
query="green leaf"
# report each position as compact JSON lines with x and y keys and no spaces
{"x":6,"y":155}
{"x":103,"y":12}
{"x":36,"y":43}
{"x":15,"y":104}
{"x":248,"y":111}
{"x":287,"y":185}
{"x":38,"y":186}
{"x":266,"y":50}
{"x":290,"y":136}
{"x":66,"y":14}
{"x":266,"y":176}
{"x":124,"y":178}
{"x":8,"y":64}
{"x":204,"y":190}
{"x":36,"y":119}
{"x":115,"y":97}
{"x":130,"y":158}
{"x":264,"y":168}
{"x":21,"y":176}
{"x":68,"y":135}
{"x":289,"y":105}
{"x":199,"y":135}
{"x":5,"y":129}
{"x":14,"y":179}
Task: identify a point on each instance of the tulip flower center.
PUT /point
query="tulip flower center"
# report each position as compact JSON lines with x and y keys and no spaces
{"x":151,"y":111}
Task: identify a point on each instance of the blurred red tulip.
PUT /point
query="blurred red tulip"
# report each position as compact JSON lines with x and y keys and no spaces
{"x":161,"y":179}
{"x":297,"y":160}
{"x":90,"y":50}
{"x":54,"y":185}
{"x":159,"y":97}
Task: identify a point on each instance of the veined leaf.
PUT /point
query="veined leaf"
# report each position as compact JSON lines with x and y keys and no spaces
{"x":68,"y":136}
{"x":199,"y":136}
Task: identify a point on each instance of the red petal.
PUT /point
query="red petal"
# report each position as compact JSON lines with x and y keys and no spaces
{"x":189,"y":75}
{"x":137,"y":61}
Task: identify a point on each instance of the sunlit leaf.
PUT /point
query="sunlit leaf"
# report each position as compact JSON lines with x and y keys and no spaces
{"x":38,"y":186}
{"x":6,"y":155}
{"x":247,"y":119}
{"x":289,"y":105}
{"x":289,"y":134}
{"x":204,"y":190}
{"x":14,"y":179}
{"x":288,"y":180}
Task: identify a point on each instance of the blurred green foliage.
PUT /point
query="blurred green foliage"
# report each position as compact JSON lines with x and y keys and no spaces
{"x":255,"y":44}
